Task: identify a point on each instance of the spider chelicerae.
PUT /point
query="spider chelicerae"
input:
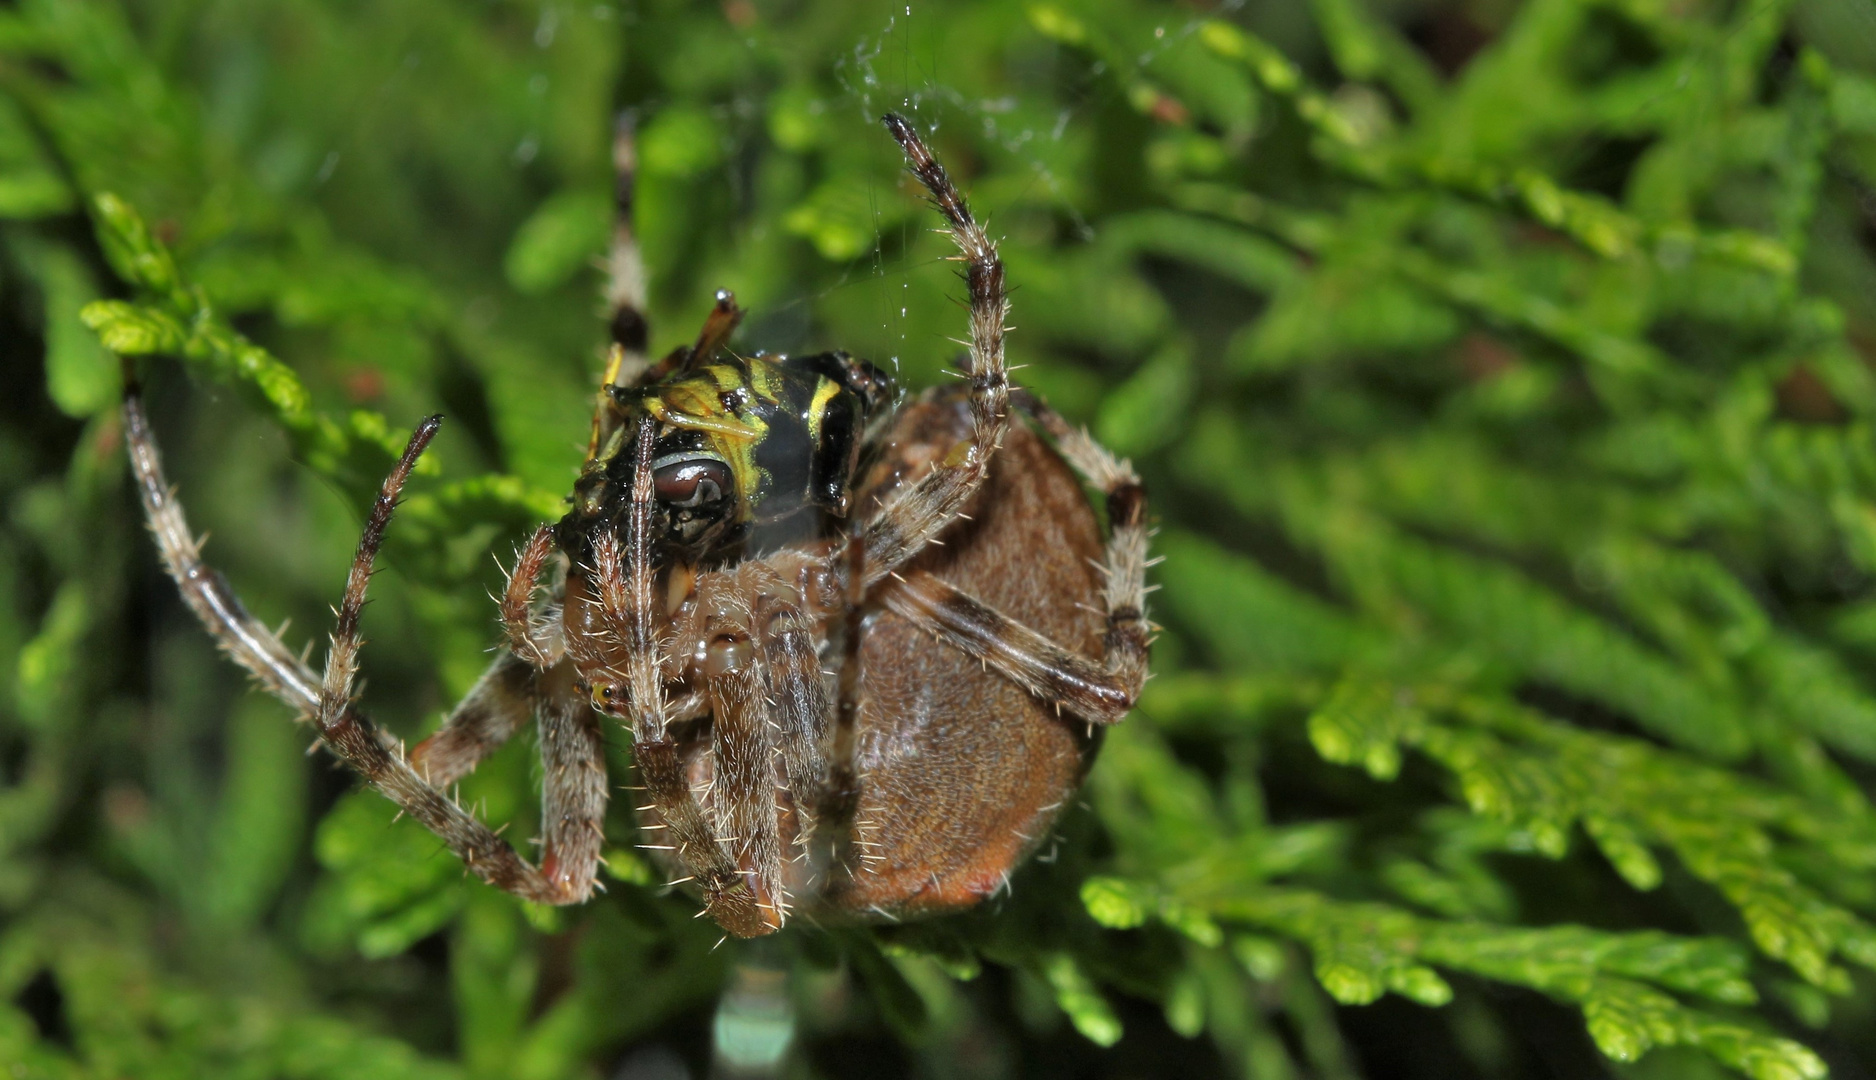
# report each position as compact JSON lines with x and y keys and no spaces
{"x":851,"y":638}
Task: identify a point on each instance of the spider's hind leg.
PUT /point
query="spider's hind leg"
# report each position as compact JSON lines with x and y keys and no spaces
{"x":744,"y":742}
{"x":1099,"y":691}
{"x":816,"y":764}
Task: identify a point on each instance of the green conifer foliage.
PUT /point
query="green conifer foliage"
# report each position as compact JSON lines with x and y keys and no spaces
{"x":1503,"y":373}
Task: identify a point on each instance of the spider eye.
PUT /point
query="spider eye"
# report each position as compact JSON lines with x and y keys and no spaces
{"x":691,"y":481}
{"x":603,"y":695}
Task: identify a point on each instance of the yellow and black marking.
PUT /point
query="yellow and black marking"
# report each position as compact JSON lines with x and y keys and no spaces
{"x":742,"y":442}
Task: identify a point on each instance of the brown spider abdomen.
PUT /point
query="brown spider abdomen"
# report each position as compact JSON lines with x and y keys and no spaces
{"x":962,"y":771}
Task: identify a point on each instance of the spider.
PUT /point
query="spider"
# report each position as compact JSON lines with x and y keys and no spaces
{"x":848,"y":636}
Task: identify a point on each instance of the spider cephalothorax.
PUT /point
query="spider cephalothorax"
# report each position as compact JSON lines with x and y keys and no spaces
{"x":862,"y":650}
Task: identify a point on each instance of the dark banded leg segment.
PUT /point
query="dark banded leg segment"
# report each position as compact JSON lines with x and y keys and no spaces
{"x":626,"y":357}
{"x":625,"y":266}
{"x":840,"y":800}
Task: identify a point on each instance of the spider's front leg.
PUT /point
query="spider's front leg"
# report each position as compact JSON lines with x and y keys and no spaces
{"x":754,"y":630}
{"x":743,"y":735}
{"x":761,"y":622}
{"x":569,"y":738}
{"x":343,"y":728}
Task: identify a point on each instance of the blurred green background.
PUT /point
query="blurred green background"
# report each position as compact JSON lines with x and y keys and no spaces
{"x":1502,"y":372}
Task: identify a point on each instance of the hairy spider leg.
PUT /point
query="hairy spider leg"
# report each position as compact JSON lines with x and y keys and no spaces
{"x":533,"y":678}
{"x":913,"y":516}
{"x":1099,"y":692}
{"x":208,"y":594}
{"x":742,"y":741}
{"x":786,"y":631}
{"x":622,"y":601}
{"x":503,"y":700}
{"x":1129,"y":636}
{"x":384,"y":767}
{"x":573,"y":785}
{"x":350,"y":734}
{"x":758,"y":627}
{"x":1029,"y":659}
{"x":533,"y":634}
